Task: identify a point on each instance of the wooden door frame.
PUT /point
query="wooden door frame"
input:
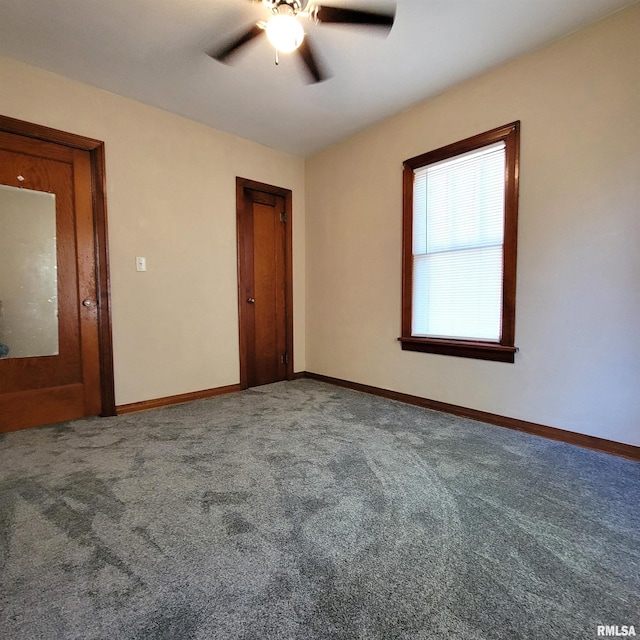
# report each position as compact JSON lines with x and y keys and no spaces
{"x":95,"y":149}
{"x":241,"y":185}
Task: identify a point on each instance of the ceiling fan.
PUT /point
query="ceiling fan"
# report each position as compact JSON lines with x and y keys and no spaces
{"x":285,"y":32}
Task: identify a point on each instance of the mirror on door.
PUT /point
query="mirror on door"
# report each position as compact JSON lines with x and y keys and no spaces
{"x":28,"y":274}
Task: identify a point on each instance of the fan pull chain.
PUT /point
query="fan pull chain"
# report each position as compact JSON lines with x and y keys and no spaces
{"x":277,"y":60}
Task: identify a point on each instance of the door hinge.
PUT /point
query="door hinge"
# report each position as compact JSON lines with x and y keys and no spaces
{"x":284,"y":358}
{"x":283,"y":216}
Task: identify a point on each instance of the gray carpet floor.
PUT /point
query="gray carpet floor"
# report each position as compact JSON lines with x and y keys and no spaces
{"x":302,"y":510}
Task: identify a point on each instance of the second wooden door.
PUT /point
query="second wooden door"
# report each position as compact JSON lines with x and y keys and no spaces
{"x":264,"y":283}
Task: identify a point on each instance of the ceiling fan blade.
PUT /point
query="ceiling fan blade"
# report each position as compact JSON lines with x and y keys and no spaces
{"x":338,"y":15}
{"x":232,"y":47}
{"x":311,"y":62}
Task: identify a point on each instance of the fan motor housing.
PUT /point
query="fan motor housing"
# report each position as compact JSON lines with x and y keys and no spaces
{"x":293,"y":5}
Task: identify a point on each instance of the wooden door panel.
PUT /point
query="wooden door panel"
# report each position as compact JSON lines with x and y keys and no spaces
{"x":43,"y":389}
{"x":53,"y":176}
{"x":23,"y":409}
{"x":87,"y":285}
{"x":264,"y":283}
{"x":269,"y":285}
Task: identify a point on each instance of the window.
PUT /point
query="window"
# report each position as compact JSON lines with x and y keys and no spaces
{"x":460,"y":216}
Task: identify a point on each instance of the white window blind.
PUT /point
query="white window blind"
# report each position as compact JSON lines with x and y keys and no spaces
{"x":458,"y":235}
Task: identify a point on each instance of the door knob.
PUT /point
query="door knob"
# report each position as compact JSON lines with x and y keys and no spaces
{"x":251,"y":300}
{"x":88,"y":303}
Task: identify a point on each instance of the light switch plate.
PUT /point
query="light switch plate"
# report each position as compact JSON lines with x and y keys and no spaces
{"x":141,"y":263}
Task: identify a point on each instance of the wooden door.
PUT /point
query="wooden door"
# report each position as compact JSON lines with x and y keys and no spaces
{"x":264,"y":266}
{"x":63,"y":382}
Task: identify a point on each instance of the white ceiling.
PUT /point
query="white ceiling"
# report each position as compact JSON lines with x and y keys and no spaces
{"x":153,"y":51}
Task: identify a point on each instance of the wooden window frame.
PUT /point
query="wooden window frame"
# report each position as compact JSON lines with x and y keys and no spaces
{"x":504,"y":349}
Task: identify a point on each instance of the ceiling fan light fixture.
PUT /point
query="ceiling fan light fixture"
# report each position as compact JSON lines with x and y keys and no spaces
{"x":285,"y":33}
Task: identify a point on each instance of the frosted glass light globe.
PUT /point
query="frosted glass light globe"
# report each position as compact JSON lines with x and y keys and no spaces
{"x":285,"y":33}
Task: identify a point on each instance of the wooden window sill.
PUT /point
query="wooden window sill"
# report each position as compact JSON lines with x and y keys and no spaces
{"x":460,"y":348}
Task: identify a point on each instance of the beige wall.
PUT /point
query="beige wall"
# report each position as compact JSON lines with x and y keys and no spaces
{"x":578,"y":310}
{"x":170,"y":198}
